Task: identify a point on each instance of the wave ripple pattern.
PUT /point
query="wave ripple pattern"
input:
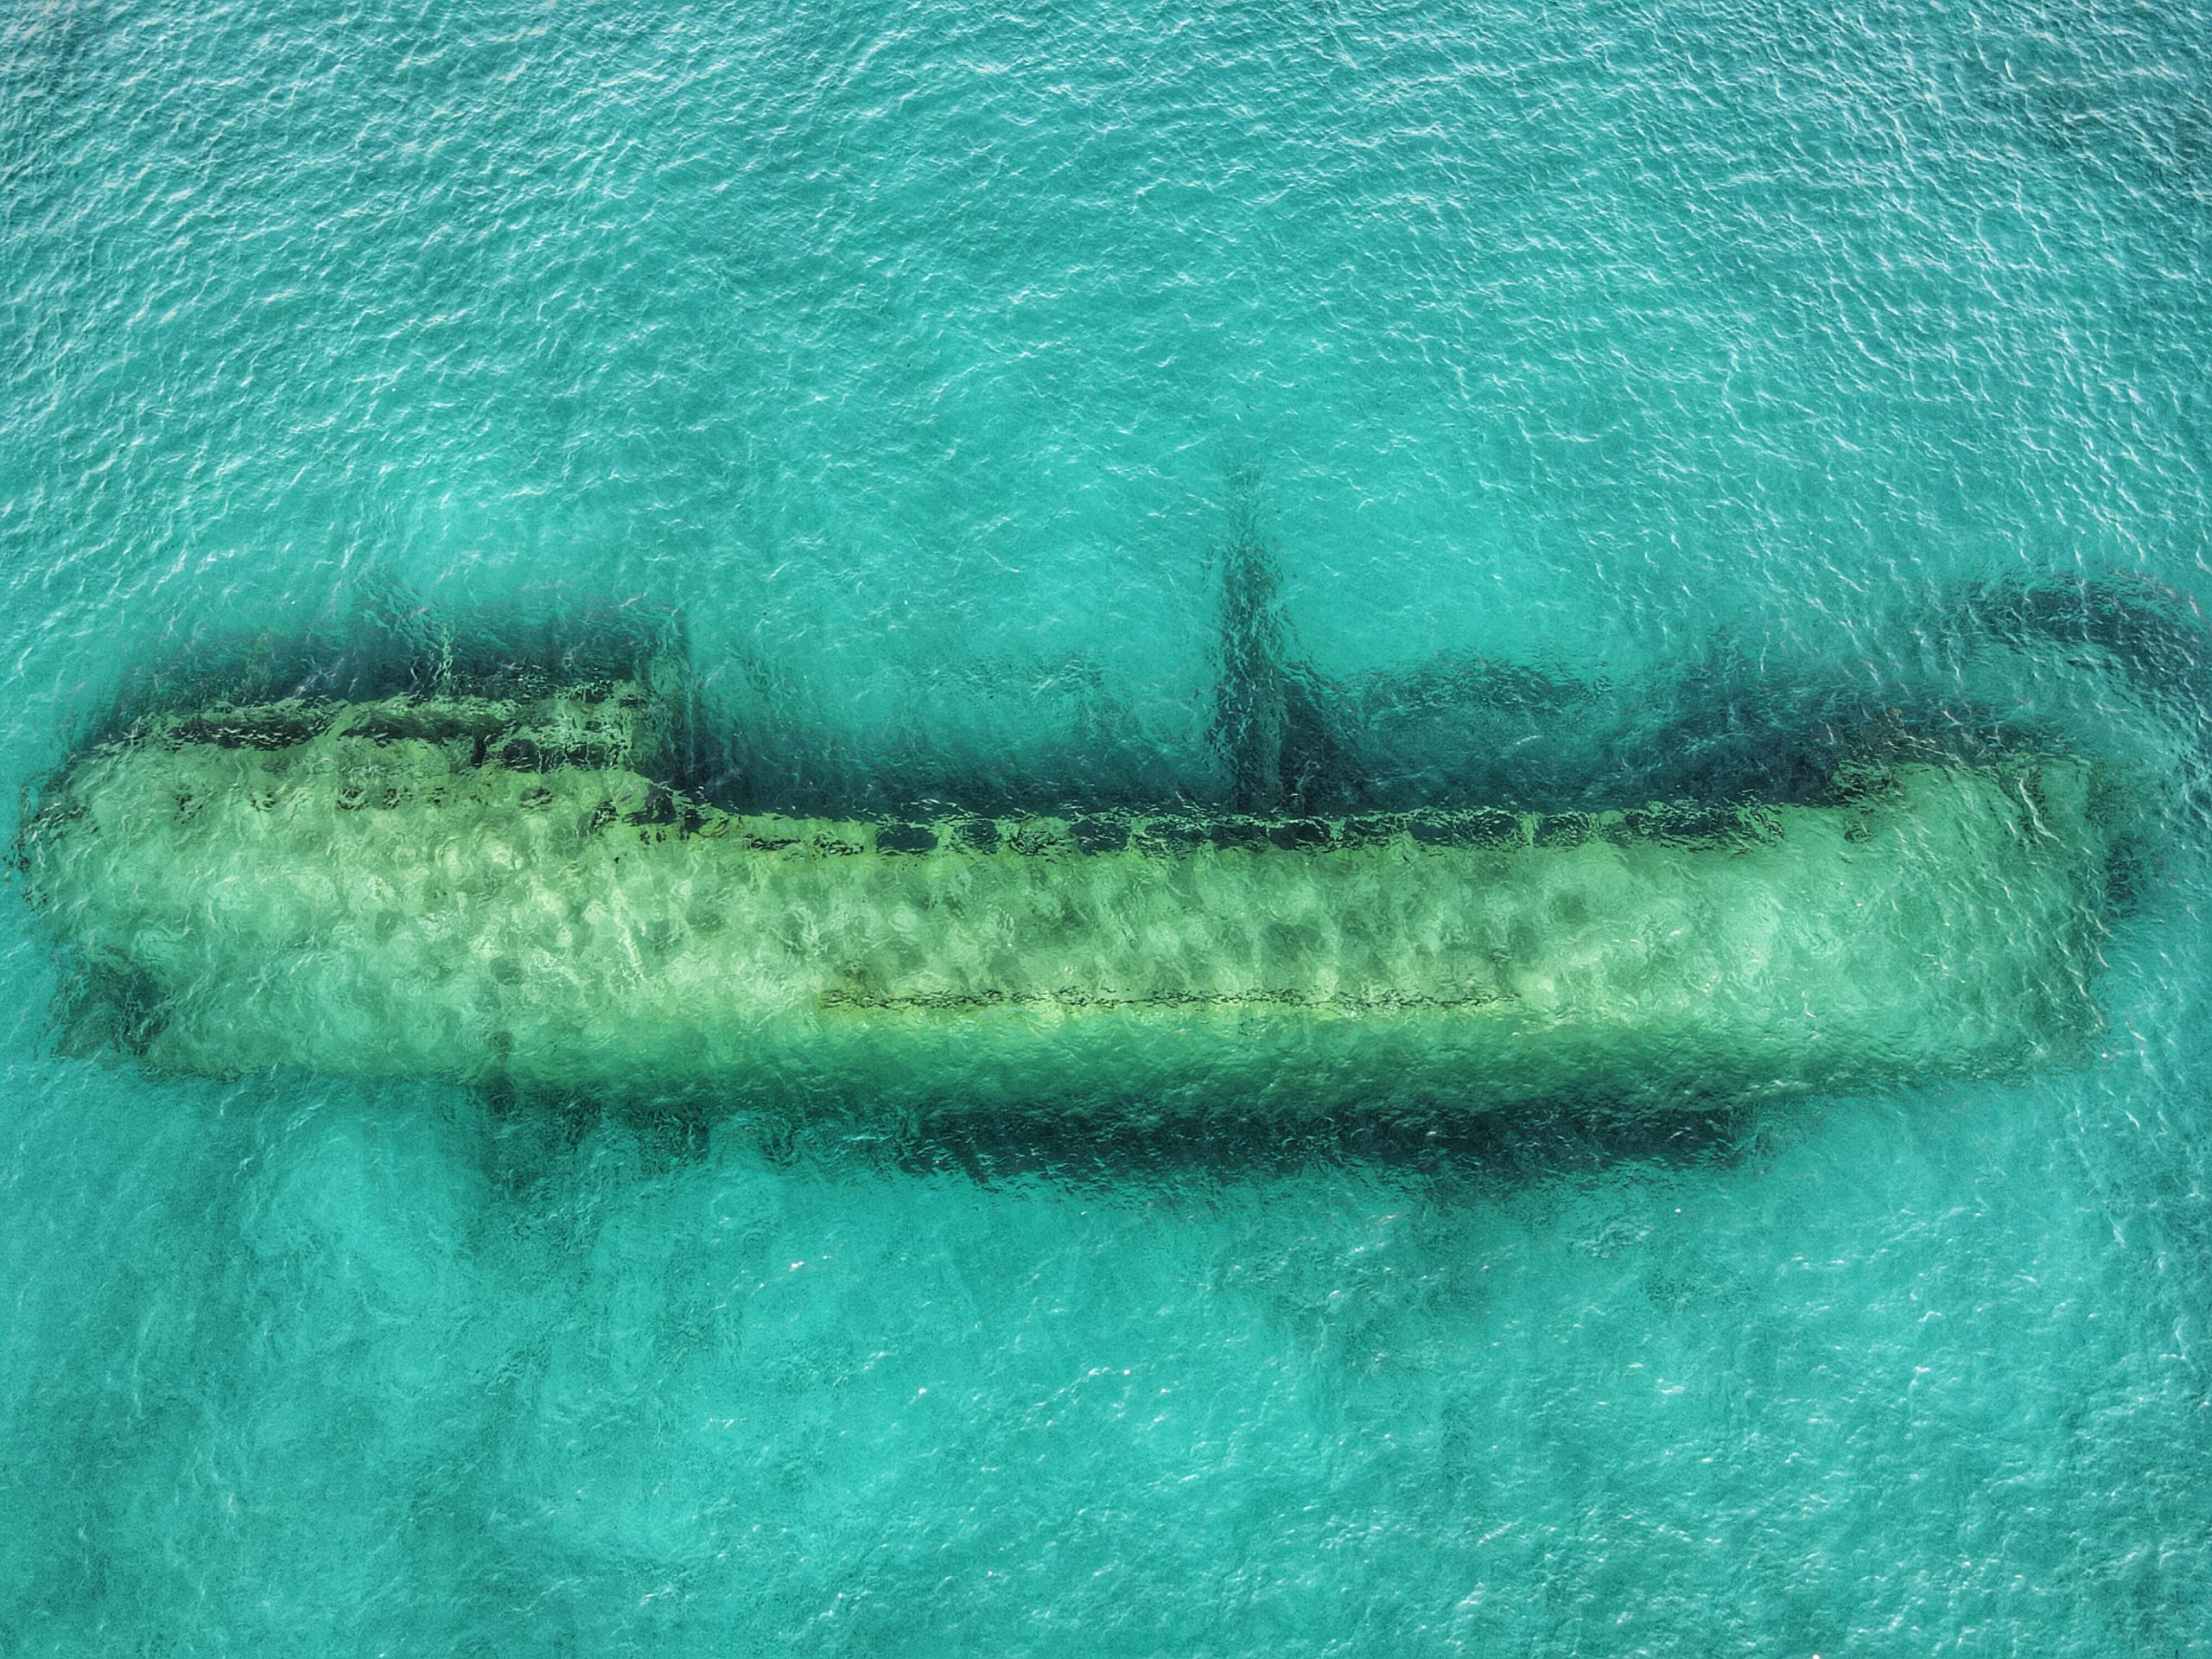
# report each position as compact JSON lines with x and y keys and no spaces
{"x":933,"y":364}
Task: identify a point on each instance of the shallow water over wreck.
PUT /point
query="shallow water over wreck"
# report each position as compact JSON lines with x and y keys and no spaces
{"x":1245,"y":418}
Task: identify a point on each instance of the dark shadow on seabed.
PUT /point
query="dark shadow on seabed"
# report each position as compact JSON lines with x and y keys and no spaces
{"x":1488,"y":1151}
{"x":2079,"y":666}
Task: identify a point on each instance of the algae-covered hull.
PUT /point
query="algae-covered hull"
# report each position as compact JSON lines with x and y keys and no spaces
{"x":494,"y":890}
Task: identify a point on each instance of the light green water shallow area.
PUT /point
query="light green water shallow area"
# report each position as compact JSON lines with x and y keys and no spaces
{"x":1692,"y":466}
{"x":367,"y":902}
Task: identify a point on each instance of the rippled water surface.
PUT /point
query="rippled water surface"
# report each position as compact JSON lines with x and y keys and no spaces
{"x":923,"y":361}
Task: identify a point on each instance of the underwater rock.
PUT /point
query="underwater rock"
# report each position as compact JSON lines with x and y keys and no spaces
{"x":505,"y":891}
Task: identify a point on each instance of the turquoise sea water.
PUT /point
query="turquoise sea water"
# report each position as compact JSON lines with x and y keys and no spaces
{"x":917,"y":359}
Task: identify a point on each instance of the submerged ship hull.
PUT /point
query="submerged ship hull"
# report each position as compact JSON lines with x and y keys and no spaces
{"x":497,"y":891}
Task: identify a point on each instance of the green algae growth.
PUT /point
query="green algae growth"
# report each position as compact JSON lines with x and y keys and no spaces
{"x":496,"y":891}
